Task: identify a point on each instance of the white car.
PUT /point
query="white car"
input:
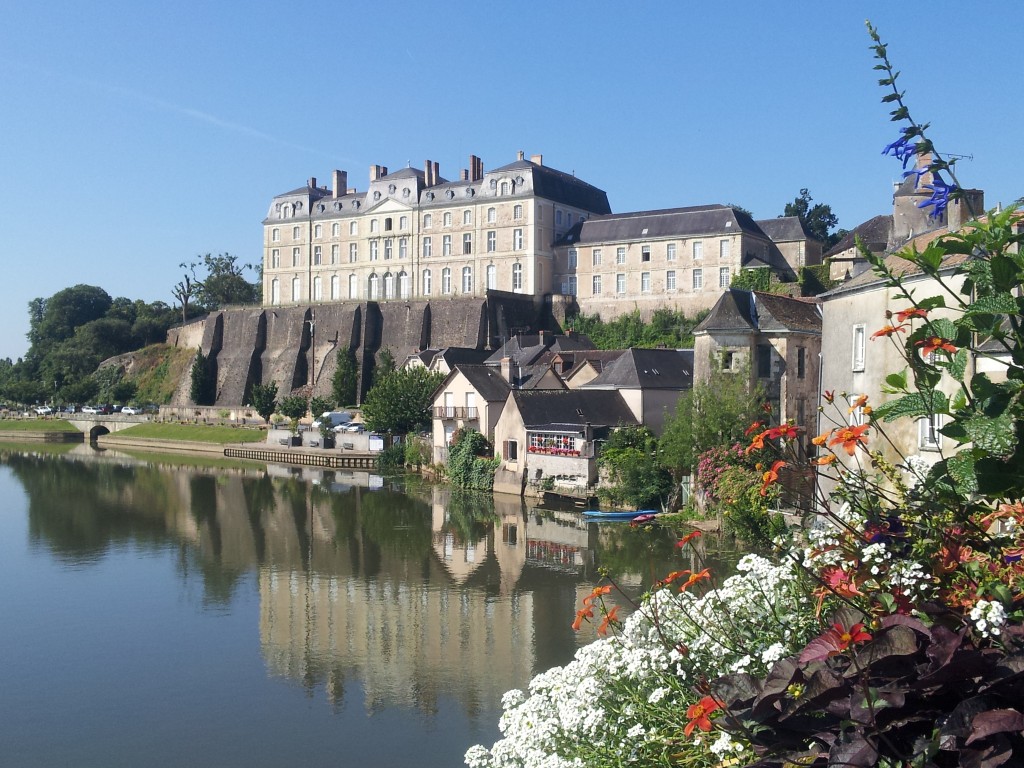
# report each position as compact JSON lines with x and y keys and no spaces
{"x":131,"y":410}
{"x":44,"y":410}
{"x":350,"y":428}
{"x":93,"y":409}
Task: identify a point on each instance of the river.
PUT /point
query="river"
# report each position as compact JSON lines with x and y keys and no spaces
{"x":161,"y":613}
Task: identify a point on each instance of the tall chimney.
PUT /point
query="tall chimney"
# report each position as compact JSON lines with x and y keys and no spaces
{"x":374,"y":172}
{"x":506,"y":369}
{"x":312,"y":182}
{"x":383,"y":171}
{"x":339,"y":181}
{"x":537,"y":159}
{"x":427,"y":168}
{"x":436,"y":174}
{"x":520,"y":155}
{"x":464,"y":175}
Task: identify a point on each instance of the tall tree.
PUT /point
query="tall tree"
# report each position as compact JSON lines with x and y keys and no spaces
{"x":345,"y":381}
{"x":204,"y":385}
{"x":225,"y":283}
{"x":817,"y":219}
{"x":400,"y":401}
{"x":186,"y":288}
{"x":263,"y":398}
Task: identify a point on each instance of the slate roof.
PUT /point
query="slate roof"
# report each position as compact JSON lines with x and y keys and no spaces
{"x":739,"y":310}
{"x":562,"y":187}
{"x":783,"y":228}
{"x":573,"y":408}
{"x":597,"y":358}
{"x":647,"y":369}
{"x":527,"y":348}
{"x":874,"y":232}
{"x":487,"y":381}
{"x":462,"y":355}
{"x":670,"y":222}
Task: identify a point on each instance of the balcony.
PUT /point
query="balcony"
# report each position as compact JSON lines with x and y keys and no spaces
{"x":452,"y":412}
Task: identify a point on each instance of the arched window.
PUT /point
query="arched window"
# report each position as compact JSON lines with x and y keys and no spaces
{"x":492,"y":215}
{"x":335,"y":229}
{"x":504,"y":187}
{"x":448,"y":218}
{"x":353,"y":287}
{"x":467,"y":279}
{"x":428,"y":221}
{"x":426,"y":282}
{"x":403,"y":285}
{"x":492,"y":277}
{"x":389,"y":285}
{"x":335,"y":288}
{"x":296,"y":290}
{"x":318,"y":230}
{"x":446,"y":280}
{"x":373,"y":225}
{"x":353,"y":227}
{"x":318,"y":289}
{"x":275,"y":235}
{"x":275,"y":292}
{"x":517,"y":277}
{"x":387,"y":224}
{"x":373,"y":287}
{"x":467,"y":217}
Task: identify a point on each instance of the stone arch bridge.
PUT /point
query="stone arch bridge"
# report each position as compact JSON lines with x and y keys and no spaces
{"x":103,"y":424}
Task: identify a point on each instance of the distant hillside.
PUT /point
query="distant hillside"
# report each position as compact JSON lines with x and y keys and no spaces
{"x":156,"y":371}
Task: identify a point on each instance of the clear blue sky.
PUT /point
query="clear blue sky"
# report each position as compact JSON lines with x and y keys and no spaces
{"x":137,"y":135}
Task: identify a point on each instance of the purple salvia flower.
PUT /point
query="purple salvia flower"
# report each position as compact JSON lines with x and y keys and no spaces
{"x":902,"y":150}
{"x":917,"y":173}
{"x":940,"y":197}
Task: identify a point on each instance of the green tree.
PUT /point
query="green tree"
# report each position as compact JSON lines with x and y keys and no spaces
{"x":711,"y":415}
{"x":293,"y":408}
{"x":384,"y":365}
{"x":263,"y":399}
{"x":400,"y":401}
{"x":470,"y":464}
{"x":635,"y":476}
{"x":225,"y":283}
{"x":186,"y":288}
{"x":203,"y":382}
{"x":55,"y":319}
{"x":817,"y":219}
{"x":320,"y":405}
{"x":344,"y":383}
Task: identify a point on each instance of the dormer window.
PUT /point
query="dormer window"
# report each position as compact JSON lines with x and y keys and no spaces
{"x":504,"y":188}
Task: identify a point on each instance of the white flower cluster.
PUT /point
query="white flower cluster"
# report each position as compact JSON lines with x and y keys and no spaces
{"x":621,"y":699}
{"x":988,"y":617}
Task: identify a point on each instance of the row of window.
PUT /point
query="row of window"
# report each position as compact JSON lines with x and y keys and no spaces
{"x":696,"y":277}
{"x":390,"y":286}
{"x":597,"y":254}
{"x":389,"y":249}
{"x":389,"y":224}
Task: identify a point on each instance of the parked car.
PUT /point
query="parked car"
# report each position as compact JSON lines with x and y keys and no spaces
{"x":131,"y":410}
{"x":359,"y":427}
{"x":43,"y":410}
{"x":333,"y":419}
{"x":93,"y":409}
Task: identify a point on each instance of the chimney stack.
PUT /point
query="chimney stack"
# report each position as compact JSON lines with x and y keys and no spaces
{"x":374,"y":172}
{"x":521,"y":155}
{"x":339,"y":182}
{"x":506,"y":369}
{"x":476,"y":168}
{"x":537,"y":159}
{"x":312,"y":182}
{"x":428,"y":167}
{"x":464,"y":174}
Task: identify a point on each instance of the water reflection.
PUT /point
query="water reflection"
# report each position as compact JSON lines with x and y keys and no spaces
{"x":410,"y":590}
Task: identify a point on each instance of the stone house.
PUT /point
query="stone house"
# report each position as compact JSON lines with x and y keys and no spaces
{"x":470,"y":397}
{"x":773,"y":340}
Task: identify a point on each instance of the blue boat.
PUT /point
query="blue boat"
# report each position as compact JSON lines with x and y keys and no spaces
{"x":617,"y":514}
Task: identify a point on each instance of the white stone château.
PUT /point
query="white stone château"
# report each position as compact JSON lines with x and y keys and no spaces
{"x":415,"y":235}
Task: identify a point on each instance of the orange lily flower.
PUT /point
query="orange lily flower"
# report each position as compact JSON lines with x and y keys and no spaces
{"x":611,"y":616}
{"x":906,"y":314}
{"x":771,"y":476}
{"x":758,"y":442}
{"x":704,"y":575}
{"x":850,"y":438}
{"x":787,"y":431}
{"x":820,"y":439}
{"x":582,"y":615}
{"x":822,"y":461}
{"x":699,"y":714}
{"x":753,"y":428}
{"x":596,"y":593}
{"x":688,"y":538}
{"x":935,"y":343}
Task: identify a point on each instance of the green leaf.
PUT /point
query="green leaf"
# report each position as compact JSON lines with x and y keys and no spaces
{"x":908,"y":405}
{"x":994,"y":435}
{"x":897,"y":381}
{"x":958,"y":366}
{"x":1005,"y":274}
{"x":961,"y":469}
{"x":932,"y":302}
{"x":996,"y":304}
{"x":959,"y":401}
{"x":942,"y":327}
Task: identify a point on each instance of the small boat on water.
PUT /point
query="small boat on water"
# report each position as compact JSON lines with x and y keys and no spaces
{"x":618,"y":514}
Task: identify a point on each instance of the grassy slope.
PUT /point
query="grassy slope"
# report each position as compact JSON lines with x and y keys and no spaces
{"x":199,"y":433}
{"x":36,"y":425}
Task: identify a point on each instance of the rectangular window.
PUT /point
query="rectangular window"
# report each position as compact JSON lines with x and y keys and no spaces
{"x":698,"y":279}
{"x":928,"y":432}
{"x":645,"y":282}
{"x":670,"y":280}
{"x":597,"y":257}
{"x":335,"y":229}
{"x":446,"y":280}
{"x":275,"y":235}
{"x":670,"y":251}
{"x":764,"y":361}
{"x":597,"y":285}
{"x":856,"y":415}
{"x":448,"y":218}
{"x":723,"y":277}
{"x":467,"y":217}
{"x":296,"y":256}
{"x":427,"y":247}
{"x":335,"y":253}
{"x":318,"y":255}
{"x":645,"y":253}
{"x":511,"y":450}
{"x":318,"y":231}
{"x":492,"y":241}
{"x":572,"y":285}
{"x":353,"y":227}
{"x":389,"y":246}
{"x":620,"y":255}
{"x":801,"y":363}
{"x":572,"y":258}
{"x":698,"y":250}
{"x":275,"y":258}
{"x":517,"y":239}
{"x":353,"y":253}
{"x":403,"y":222}
{"x":467,"y":243}
{"x":517,"y":212}
{"x":558,"y":218}
{"x":374,"y":249}
{"x":446,"y":245}
{"x":859,"y":337}
{"x":620,"y":283}
{"x":728,"y":360}
{"x":724,"y":249}
{"x":296,"y":233}
{"x":517,"y":277}
{"x":403,"y":247}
